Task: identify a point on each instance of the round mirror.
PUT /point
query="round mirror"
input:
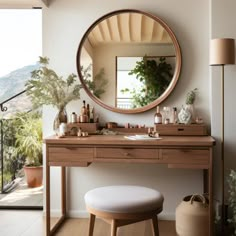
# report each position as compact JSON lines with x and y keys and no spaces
{"x":129,"y":61}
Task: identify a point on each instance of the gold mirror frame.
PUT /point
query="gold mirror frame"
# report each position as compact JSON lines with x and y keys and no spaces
{"x":163,"y":95}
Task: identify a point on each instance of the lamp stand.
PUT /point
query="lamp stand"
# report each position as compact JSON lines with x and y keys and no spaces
{"x":222,"y":52}
{"x":222,"y":151}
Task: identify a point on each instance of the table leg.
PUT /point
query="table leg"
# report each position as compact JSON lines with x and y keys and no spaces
{"x":210,"y":189}
{"x":50,"y":231}
{"x":63,"y":190}
{"x":48,"y":225}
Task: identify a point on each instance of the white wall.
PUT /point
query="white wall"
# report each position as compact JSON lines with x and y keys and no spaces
{"x":64,"y":24}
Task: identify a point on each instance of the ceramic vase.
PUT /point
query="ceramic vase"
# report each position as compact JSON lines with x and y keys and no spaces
{"x":191,"y":108}
{"x":61,"y":117}
{"x":185,"y":116}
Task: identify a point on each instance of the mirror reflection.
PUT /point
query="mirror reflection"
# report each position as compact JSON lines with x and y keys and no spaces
{"x":127,"y":61}
{"x":141,"y":80}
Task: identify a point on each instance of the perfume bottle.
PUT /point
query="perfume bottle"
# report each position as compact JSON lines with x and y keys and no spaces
{"x":158,"y":116}
{"x":92,"y":115}
{"x":174,"y":118}
{"x":83,"y":109}
{"x":83,"y":116}
{"x":88,"y":112}
{"x":166,"y":111}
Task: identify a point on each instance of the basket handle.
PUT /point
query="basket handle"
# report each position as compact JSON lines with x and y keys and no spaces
{"x":201,"y":197}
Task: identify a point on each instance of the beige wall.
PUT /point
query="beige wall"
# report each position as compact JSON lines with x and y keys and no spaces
{"x":64,"y":24}
{"x":223,"y":26}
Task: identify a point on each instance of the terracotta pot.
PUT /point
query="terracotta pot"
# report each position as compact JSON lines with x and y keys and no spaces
{"x":34,"y":176}
{"x":192,"y":216}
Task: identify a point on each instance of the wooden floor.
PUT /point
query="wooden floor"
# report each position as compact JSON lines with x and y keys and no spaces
{"x":32,"y":223}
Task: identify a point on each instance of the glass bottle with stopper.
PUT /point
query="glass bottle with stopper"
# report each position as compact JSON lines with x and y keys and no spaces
{"x":92,"y":115}
{"x":88,"y":112}
{"x":174,"y":118}
{"x":166,"y":111}
{"x":84,"y":109}
{"x":158,"y":116}
{"x":84,"y":116}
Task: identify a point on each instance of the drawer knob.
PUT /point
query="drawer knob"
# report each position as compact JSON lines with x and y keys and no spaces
{"x":126,"y":154}
{"x":71,"y":148}
{"x":185,"y":150}
{"x":180,"y":129}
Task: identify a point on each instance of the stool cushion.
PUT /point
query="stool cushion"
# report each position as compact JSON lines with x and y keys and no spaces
{"x":124,"y":199}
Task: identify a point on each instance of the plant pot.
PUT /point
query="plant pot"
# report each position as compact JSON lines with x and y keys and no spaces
{"x":34,"y":176}
{"x":185,"y":116}
{"x":191,"y":108}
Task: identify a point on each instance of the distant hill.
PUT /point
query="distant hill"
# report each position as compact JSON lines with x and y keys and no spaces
{"x":14,"y":83}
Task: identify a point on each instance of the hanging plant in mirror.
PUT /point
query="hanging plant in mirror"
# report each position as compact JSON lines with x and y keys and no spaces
{"x":154,"y":78}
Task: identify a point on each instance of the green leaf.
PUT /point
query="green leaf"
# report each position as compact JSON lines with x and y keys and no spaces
{"x":47,"y":88}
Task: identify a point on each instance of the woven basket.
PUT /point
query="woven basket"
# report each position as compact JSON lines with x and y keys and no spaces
{"x":192,"y":216}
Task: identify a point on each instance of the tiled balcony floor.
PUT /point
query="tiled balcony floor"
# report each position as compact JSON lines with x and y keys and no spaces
{"x":23,"y":196}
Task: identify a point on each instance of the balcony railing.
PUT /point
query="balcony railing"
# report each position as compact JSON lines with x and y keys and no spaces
{"x":11,"y":165}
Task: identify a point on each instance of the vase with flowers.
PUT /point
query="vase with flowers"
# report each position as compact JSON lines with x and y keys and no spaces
{"x":190,"y":98}
{"x":47,"y":88}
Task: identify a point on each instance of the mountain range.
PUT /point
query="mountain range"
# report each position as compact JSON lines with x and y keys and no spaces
{"x":14,"y":83}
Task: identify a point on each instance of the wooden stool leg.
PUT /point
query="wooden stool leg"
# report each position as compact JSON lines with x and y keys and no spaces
{"x":113,"y":228}
{"x":155,"y":228}
{"x":91,"y":224}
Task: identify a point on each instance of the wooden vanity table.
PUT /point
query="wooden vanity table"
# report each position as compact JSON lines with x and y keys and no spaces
{"x":191,"y":152}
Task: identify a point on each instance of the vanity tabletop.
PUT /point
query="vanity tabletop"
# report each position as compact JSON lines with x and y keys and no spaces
{"x":122,"y":139}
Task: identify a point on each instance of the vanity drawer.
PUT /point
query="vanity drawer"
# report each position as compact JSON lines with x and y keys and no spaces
{"x":186,"y":156}
{"x":70,"y":154}
{"x":126,"y":153}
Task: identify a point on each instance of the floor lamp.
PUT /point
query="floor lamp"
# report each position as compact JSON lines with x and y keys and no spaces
{"x":222,"y":53}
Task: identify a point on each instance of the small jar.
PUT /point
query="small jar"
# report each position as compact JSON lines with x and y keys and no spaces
{"x":73,"y":117}
{"x":167,"y":121}
{"x":111,"y":125}
{"x":62,"y":129}
{"x":83,"y":119}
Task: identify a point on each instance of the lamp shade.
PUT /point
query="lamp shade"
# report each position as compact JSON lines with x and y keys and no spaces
{"x":222,"y":51}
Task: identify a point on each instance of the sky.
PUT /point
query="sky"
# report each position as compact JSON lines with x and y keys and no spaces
{"x":20,"y":38}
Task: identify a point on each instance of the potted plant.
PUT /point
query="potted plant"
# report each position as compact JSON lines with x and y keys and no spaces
{"x":47,"y":88}
{"x":189,"y":103}
{"x":232,"y":202}
{"x":187,"y":113}
{"x":154,"y":77}
{"x":29,"y":144}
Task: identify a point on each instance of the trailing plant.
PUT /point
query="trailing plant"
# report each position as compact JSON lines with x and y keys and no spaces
{"x":232,"y":200}
{"x":154,"y":78}
{"x":98,"y":83}
{"x":47,"y":88}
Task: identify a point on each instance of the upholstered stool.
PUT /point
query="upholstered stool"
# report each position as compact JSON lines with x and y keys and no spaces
{"x":123,"y":205}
